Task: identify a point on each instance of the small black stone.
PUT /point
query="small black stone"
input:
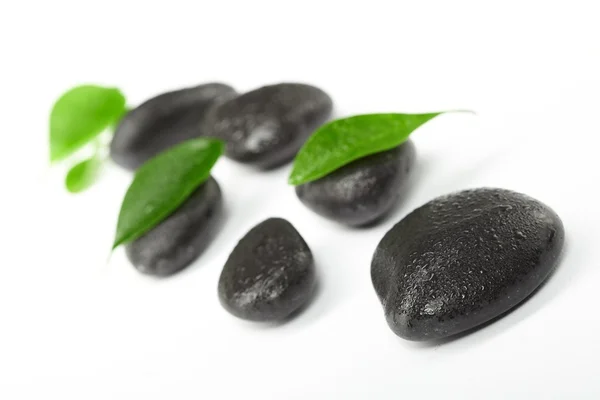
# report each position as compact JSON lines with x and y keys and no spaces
{"x":463,"y":259}
{"x":267,"y":126}
{"x":363,"y":191}
{"x":269,"y":275}
{"x":164,"y":121}
{"x":180,"y":239}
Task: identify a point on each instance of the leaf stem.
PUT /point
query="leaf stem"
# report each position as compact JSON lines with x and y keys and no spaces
{"x":100,"y":151}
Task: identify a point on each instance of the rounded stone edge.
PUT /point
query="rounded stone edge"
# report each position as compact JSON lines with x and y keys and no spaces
{"x":402,"y":328}
{"x":218,"y":215}
{"x":301,"y":303}
{"x":374,"y":218}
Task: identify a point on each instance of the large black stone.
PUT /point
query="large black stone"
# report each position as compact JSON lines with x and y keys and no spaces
{"x":463,"y":259}
{"x":267,"y":126}
{"x":178,"y":240}
{"x":363,"y":191}
{"x":164,"y":121}
{"x":269,"y":275}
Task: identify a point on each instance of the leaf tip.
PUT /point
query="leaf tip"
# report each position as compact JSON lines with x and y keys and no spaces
{"x":295,"y":177}
{"x":118,"y":241}
{"x":71,"y":189}
{"x":109,"y":257}
{"x":464,"y":111}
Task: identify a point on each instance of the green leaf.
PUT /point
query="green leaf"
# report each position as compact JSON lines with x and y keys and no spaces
{"x":80,"y":115}
{"x":162,"y":184}
{"x":342,"y":141}
{"x":83,"y":175}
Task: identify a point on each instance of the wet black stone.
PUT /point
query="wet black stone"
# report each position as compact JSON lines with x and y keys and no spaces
{"x":463,"y":259}
{"x":267,"y":126}
{"x":363,"y":191}
{"x":164,"y":121}
{"x":180,"y":239}
{"x":269,"y":275}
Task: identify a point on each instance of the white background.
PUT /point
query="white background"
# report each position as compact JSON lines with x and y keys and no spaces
{"x":73,"y":327}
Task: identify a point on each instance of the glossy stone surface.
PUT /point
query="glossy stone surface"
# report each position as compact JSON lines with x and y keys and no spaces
{"x":180,"y":239}
{"x":463,"y":259}
{"x":164,"y":121}
{"x":269,"y":275}
{"x":267,"y":126}
{"x":363,"y":191}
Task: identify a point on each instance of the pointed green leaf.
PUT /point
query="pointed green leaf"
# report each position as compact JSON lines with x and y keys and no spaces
{"x":83,"y":175}
{"x":344,"y":140}
{"x":80,"y":115}
{"x":162,"y":184}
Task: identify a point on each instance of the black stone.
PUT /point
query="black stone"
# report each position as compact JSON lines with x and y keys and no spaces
{"x":363,"y":191}
{"x":463,"y":259}
{"x":269,"y":275}
{"x":267,"y":126}
{"x":164,"y":121}
{"x":180,"y":239}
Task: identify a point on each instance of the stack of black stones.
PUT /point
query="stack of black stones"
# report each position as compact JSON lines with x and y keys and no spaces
{"x":454,"y":263}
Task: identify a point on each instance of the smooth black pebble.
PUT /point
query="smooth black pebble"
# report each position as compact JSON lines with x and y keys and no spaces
{"x":180,"y":239}
{"x":164,"y":121}
{"x":363,"y":191}
{"x":463,"y":259}
{"x":270,"y":273}
{"x":267,"y":126}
